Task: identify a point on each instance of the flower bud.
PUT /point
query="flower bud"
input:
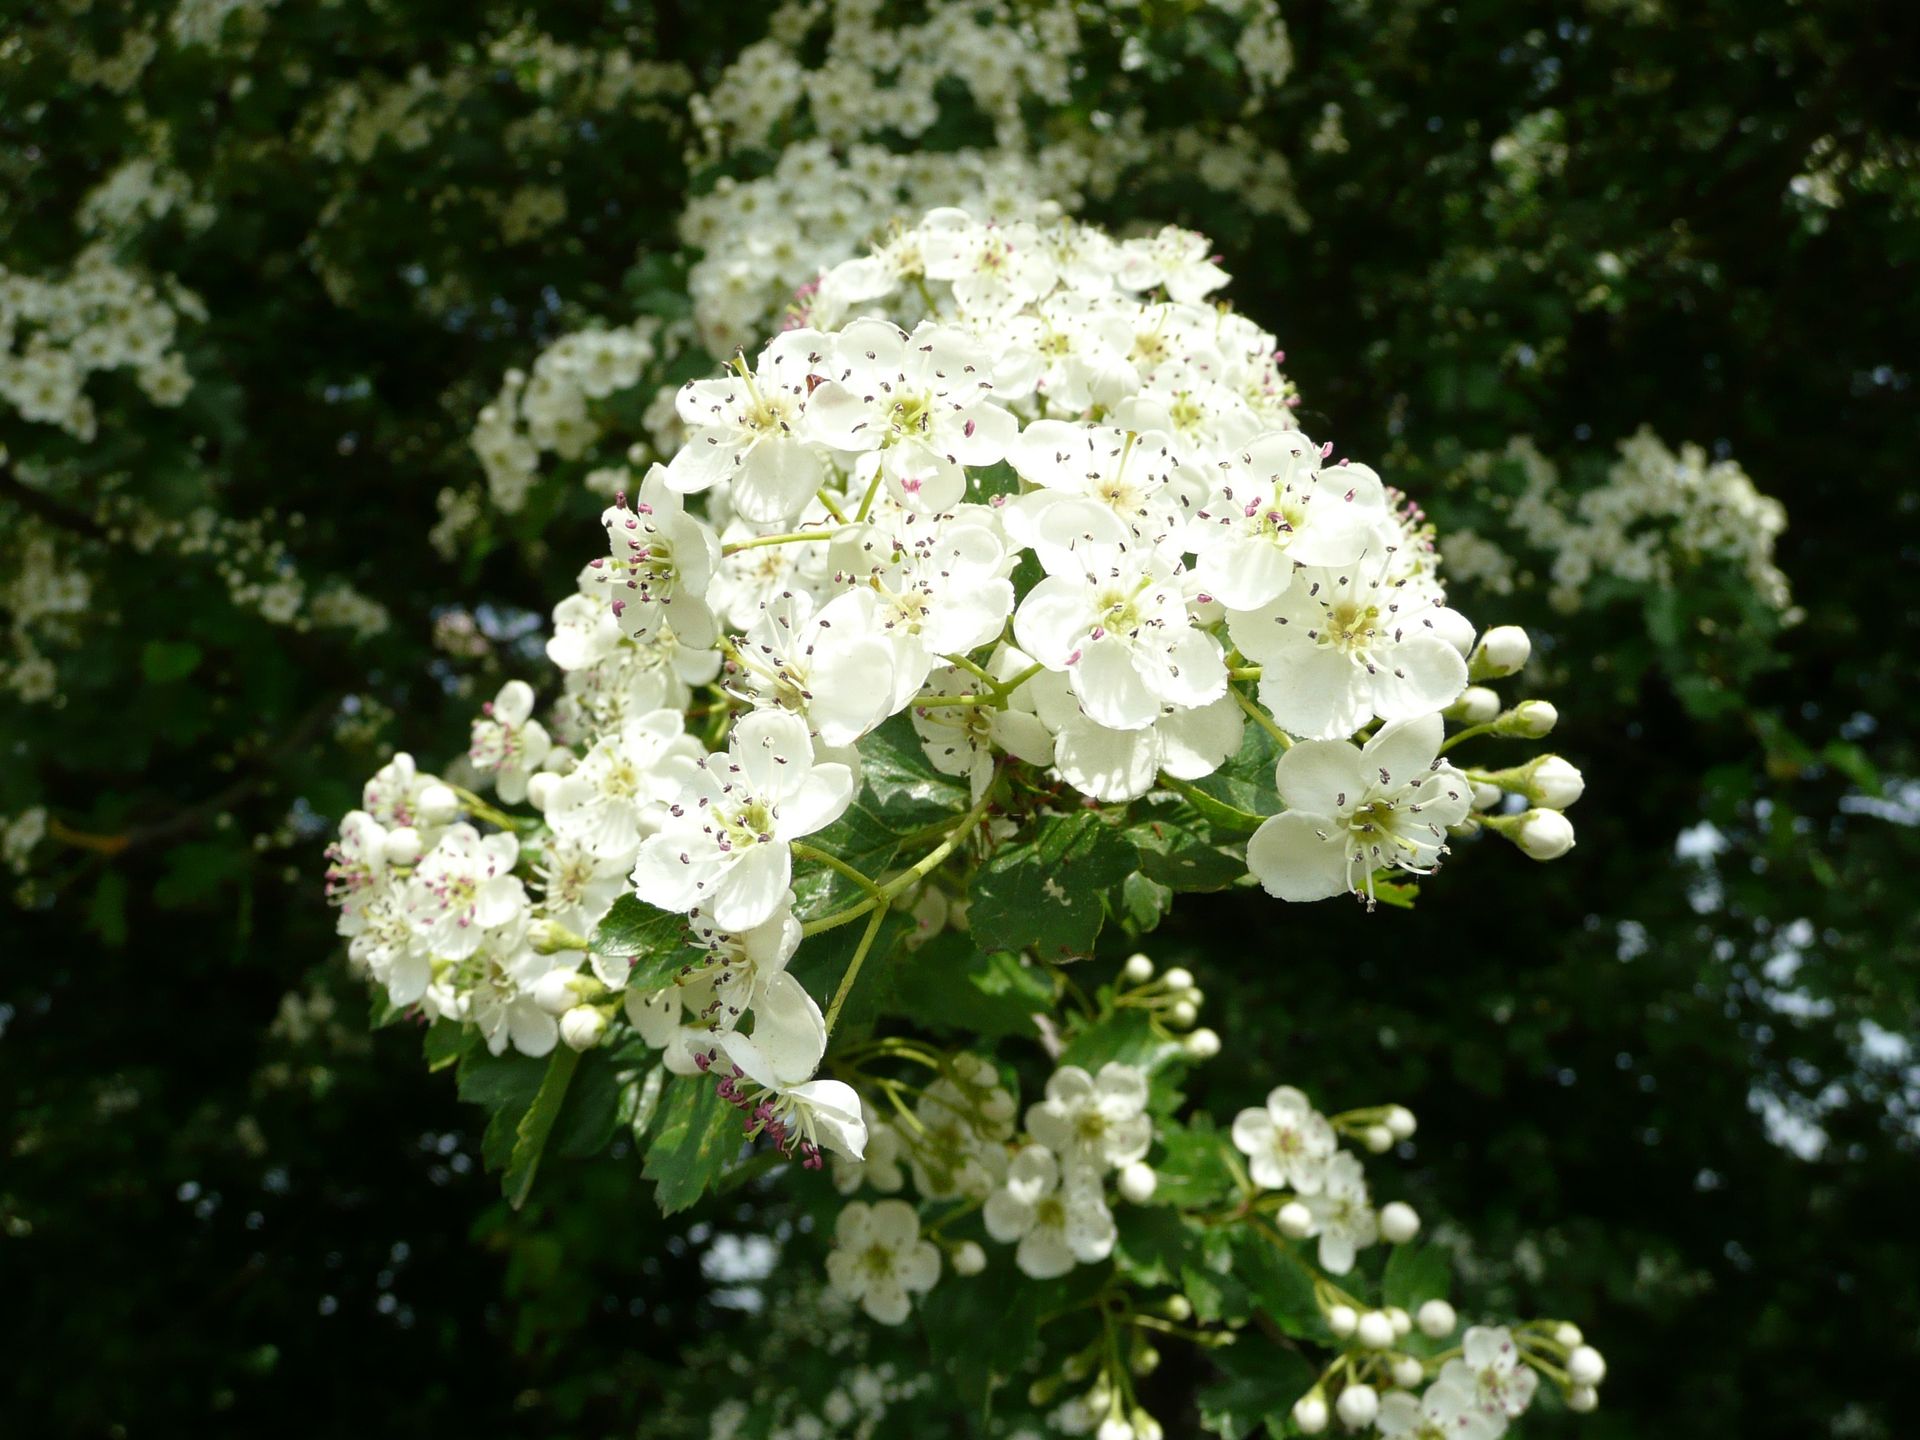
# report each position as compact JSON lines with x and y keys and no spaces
{"x":1502,"y":651}
{"x":1585,"y":1366}
{"x":403,"y":846}
{"x":1377,"y":1138}
{"x":1358,"y":1404}
{"x":1486,"y":796}
{"x":1114,"y":1428}
{"x":438,"y":805}
{"x":1399,"y":1223}
{"x":540,"y":789}
{"x":1530,"y":720}
{"x":1568,"y":1334}
{"x":1436,"y":1319}
{"x":1178,"y":1308}
{"x":1402,"y":1322}
{"x":1476,"y":706}
{"x":1407,"y":1371}
{"x":968,"y":1258}
{"x":1145,"y":1427}
{"x":1401,"y":1122}
{"x":1342,"y":1320}
{"x":553,"y":992}
{"x":1144,"y":1361}
{"x":1203,"y":1044}
{"x":1295,"y":1220}
{"x":1555,"y":783}
{"x":1137,"y":969}
{"x":1178,"y":979}
{"x":582,"y":1027}
{"x":1542,"y":834}
{"x":1582,"y":1399}
{"x":1137,"y":1182}
{"x":1183,"y":1014}
{"x":1375,"y":1330}
{"x":1310,"y":1412}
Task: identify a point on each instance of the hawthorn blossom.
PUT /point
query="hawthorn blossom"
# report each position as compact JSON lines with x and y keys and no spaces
{"x":913,"y":410}
{"x":1288,"y":1144}
{"x":1343,"y":645}
{"x":1175,"y":260}
{"x":830,"y":665}
{"x":1343,"y":1216}
{"x":1093,"y":1124}
{"x":1447,"y":1411}
{"x":1491,"y":1371}
{"x":618,"y":794}
{"x":879,"y":1259}
{"x":726,"y":838}
{"x":1355,"y":810}
{"x":661,"y":563}
{"x":1114,"y":620}
{"x":778,"y":1061}
{"x":747,"y":429}
{"x":1118,"y":765}
{"x":964,"y":740}
{"x":463,"y":888}
{"x":1056,"y":1226}
{"x":508,"y":741}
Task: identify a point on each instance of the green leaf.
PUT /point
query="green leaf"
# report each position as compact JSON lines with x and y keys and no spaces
{"x":1127,"y":1036}
{"x":908,"y":793}
{"x":1178,"y":847}
{"x":1414,"y":1275}
{"x":107,"y":909}
{"x":1192,"y":1164}
{"x":586,"y":1122}
{"x":536,"y":1123}
{"x":165,"y":661}
{"x":1045,"y":895}
{"x":445,"y":1042}
{"x":652,"y":942}
{"x":1280,"y":1282}
{"x":1144,"y":903}
{"x":981,"y":1332}
{"x":1242,"y":789}
{"x":505,"y":1085}
{"x":1258,"y":1385}
{"x":699,"y":1135}
{"x":640,"y":1100}
{"x":947,"y":984}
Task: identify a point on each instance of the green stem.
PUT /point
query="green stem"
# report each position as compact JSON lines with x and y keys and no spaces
{"x":1466,"y":734}
{"x":884,"y":894}
{"x":1262,"y":719}
{"x":790,"y":537}
{"x":853,"y":966}
{"x":804,"y":851}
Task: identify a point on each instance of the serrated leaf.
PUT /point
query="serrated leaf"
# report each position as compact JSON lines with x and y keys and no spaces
{"x":1280,"y":1282}
{"x":536,"y":1124}
{"x":1046,"y":894}
{"x":445,"y":1042}
{"x":652,"y":942}
{"x":640,"y":1100}
{"x":1127,"y":1036}
{"x":1258,"y":1385}
{"x":1144,"y":903}
{"x":948,"y":984}
{"x":1179,"y":848}
{"x":587,"y":1120}
{"x":907,"y":792}
{"x":1192,"y":1166}
{"x":699,"y":1135}
{"x":505,"y":1085}
{"x":1242,"y":789}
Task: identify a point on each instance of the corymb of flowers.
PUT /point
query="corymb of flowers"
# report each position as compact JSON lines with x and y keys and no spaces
{"x":997,"y":600}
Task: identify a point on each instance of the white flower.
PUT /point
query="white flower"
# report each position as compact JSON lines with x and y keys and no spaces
{"x":357,"y":861}
{"x":964,"y":739}
{"x":462,"y":889}
{"x":1490,"y":1370}
{"x":913,"y":408}
{"x":1056,"y":1227}
{"x":660,"y":564}
{"x":726,"y":840}
{"x":1117,"y":765}
{"x":1352,"y":811}
{"x":879,"y":1166}
{"x":1342,"y":1215}
{"x":578,"y":887}
{"x":501,"y":1001}
{"x":1287,"y":1144}
{"x":1133,"y":477}
{"x":1273,"y":508}
{"x":1176,"y":260}
{"x":618,"y":794}
{"x":1094,"y":1124}
{"x":509,"y":741}
{"x":1115,"y":622}
{"x":1343,"y":645}
{"x":879,"y":1259}
{"x":584,"y":629}
{"x":992,"y":268}
{"x":832,"y":666}
{"x":1445,"y":1412}
{"x":747,"y":430}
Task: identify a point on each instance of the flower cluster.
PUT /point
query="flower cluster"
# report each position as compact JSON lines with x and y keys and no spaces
{"x":54,"y":335}
{"x":1657,"y":514}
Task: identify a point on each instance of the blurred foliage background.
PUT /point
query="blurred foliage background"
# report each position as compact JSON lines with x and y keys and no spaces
{"x":1667,"y":1085}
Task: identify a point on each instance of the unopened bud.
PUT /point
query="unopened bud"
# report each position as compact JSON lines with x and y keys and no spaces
{"x":1540,"y":834}
{"x":1555,"y":783}
{"x":1436,"y":1319}
{"x":1585,"y":1366}
{"x":1583,"y":1399}
{"x":1178,"y":978}
{"x":553,"y":992}
{"x":1502,"y":651}
{"x":1137,"y":1182}
{"x":1295,"y":1220}
{"x":1137,"y":969}
{"x":1568,"y":1334}
{"x":1178,"y":1308}
{"x":1476,"y":706}
{"x":1402,"y":1322}
{"x":1399,"y":1223}
{"x":1375,"y":1330}
{"x":1486,"y":796}
{"x":1407,"y":1371}
{"x":1401,"y":1122}
{"x":1310,"y":1412}
{"x":1183,"y":1014}
{"x":968,"y":1258}
{"x":1530,"y":720}
{"x":1377,"y":1138}
{"x":582,"y":1027}
{"x":1203,"y":1044}
{"x":403,"y":846}
{"x":1145,"y":1427}
{"x":540,"y":790}
{"x":1144,"y":1361}
{"x":1114,"y":1428}
{"x":1342,"y":1320}
{"x":438,"y":805}
{"x":1358,"y":1405}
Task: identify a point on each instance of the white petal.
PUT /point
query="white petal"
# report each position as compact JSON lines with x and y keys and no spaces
{"x":1299,"y":857}
{"x":1322,"y":777}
